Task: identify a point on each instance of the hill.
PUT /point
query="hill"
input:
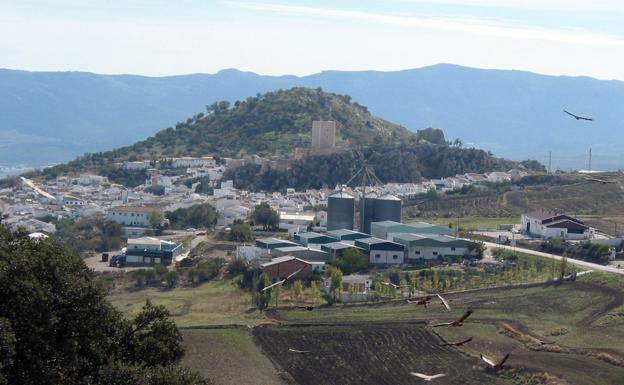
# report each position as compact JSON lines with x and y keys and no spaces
{"x":55,"y":116}
{"x":275,"y":124}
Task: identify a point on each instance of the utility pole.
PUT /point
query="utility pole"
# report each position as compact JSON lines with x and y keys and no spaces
{"x":590,"y":156}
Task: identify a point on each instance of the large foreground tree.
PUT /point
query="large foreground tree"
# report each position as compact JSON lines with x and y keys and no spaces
{"x":56,"y":326}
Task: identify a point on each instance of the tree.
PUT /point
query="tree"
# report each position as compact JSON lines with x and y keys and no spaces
{"x":335,"y":287}
{"x":264,"y":215}
{"x":263,"y":297}
{"x":155,"y":219}
{"x":353,"y":260}
{"x":64,"y":329}
{"x":297,"y":289}
{"x":240,"y":232}
{"x":563,"y":266}
{"x":172,"y":278}
{"x":316,"y":292}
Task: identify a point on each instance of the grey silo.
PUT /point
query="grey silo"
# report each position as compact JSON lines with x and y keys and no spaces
{"x":340,"y":211}
{"x":387,"y":208}
{"x":369,"y":212}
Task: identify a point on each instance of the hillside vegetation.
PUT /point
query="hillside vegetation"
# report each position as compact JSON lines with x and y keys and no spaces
{"x":400,"y":163}
{"x":277,"y":122}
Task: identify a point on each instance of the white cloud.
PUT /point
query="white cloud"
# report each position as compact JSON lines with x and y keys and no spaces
{"x":474,"y":26}
{"x":553,"y":5}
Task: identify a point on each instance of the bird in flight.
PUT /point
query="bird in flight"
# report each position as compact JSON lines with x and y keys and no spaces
{"x":426,"y":377}
{"x":496,"y":365}
{"x":298,"y":351}
{"x":460,"y":343}
{"x":446,"y":305}
{"x":421,"y":301}
{"x":457,"y":322}
{"x":393,"y":285}
{"x":283,"y":281}
{"x":578,"y":117}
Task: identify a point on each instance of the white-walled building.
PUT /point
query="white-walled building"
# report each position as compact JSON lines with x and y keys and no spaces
{"x":131,"y":215}
{"x":549,"y":225}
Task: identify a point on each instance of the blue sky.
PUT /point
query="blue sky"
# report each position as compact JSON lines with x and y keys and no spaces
{"x":301,"y":37}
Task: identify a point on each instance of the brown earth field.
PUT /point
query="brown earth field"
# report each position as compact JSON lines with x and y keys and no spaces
{"x":362,"y":354}
{"x":556,"y":334}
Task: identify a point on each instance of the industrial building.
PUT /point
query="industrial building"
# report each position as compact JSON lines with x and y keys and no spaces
{"x":338,"y":249}
{"x":147,"y":251}
{"x":389,"y":229}
{"x":347,"y":236}
{"x":313,"y":240}
{"x":340,"y":211}
{"x":305,"y":253}
{"x":273,"y":243}
{"x":382,"y":252}
{"x":422,"y":246}
{"x":282,"y":267}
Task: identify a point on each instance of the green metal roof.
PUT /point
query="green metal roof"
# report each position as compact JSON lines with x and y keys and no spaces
{"x":345,"y":234}
{"x":430,"y":240}
{"x":378,"y":244}
{"x":416,"y":227}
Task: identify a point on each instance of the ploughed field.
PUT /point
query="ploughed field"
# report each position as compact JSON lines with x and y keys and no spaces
{"x":367,"y":353}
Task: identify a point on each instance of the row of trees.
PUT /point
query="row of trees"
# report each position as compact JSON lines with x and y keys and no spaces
{"x":198,"y":216}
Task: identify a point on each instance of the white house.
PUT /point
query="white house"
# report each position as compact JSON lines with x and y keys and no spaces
{"x":131,"y":215}
{"x":549,"y":225}
{"x":498,"y":177}
{"x":293,"y":220}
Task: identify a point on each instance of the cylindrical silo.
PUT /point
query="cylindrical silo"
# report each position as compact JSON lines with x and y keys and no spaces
{"x":369,"y":212}
{"x":387,"y":208}
{"x":340,"y":211}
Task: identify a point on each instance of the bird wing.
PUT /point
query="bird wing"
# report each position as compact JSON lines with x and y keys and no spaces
{"x":463,"y":317}
{"x":420,"y":375}
{"x":293,"y":274}
{"x":569,"y":113}
{"x":275,"y":284}
{"x":446,"y":305}
{"x":501,"y":362}
{"x":438,"y":376}
{"x":298,"y":351}
{"x":443,"y":324}
{"x":487,"y":360}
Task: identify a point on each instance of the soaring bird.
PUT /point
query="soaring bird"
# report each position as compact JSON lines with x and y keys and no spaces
{"x":426,"y":377}
{"x":393,"y":285}
{"x":578,"y":117}
{"x":298,"y":351}
{"x":457,"y":322}
{"x":446,"y":305}
{"x":460,"y":343}
{"x":421,"y":301}
{"x":283,"y":281}
{"x":496,"y":365}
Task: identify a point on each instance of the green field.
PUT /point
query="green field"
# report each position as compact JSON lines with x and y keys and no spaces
{"x":570,"y":333}
{"x":212,"y":303}
{"x":228,"y":356}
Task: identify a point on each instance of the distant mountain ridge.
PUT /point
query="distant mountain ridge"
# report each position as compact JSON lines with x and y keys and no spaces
{"x":54,"y":116}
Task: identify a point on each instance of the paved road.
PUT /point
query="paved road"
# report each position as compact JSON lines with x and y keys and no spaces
{"x":589,"y":265}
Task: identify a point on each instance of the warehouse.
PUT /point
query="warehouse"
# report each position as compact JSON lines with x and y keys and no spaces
{"x":421,"y":246}
{"x":347,"y":236}
{"x":273,"y":243}
{"x":338,"y":249}
{"x":388,"y":229}
{"x":305,"y":253}
{"x":313,"y":240}
{"x":381,"y":251}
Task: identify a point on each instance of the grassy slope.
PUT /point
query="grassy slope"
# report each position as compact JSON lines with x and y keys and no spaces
{"x":593,"y":200}
{"x":212,"y":303}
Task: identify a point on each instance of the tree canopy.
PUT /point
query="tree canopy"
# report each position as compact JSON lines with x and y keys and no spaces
{"x":56,"y":326}
{"x":264,"y":215}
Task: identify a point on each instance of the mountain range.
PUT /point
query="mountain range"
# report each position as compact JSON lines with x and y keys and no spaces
{"x":48,"y":117}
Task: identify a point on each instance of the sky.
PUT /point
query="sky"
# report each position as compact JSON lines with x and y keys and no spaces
{"x":276,"y":37}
